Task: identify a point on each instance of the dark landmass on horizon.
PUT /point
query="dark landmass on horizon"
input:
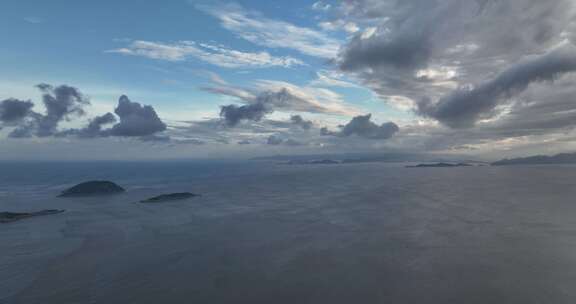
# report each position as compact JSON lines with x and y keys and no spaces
{"x":394,"y":157}
{"x":312,"y":162}
{"x":562,"y":158}
{"x":441,"y":165}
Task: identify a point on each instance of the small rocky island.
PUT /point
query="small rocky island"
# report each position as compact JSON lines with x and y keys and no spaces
{"x":93,"y":188}
{"x":440,"y":165}
{"x":170,"y":197}
{"x":6,"y":217}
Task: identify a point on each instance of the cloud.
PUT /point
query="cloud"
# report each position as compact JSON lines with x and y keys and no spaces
{"x":321,"y":6}
{"x":444,"y":60}
{"x":264,"y":103}
{"x":306,"y":98}
{"x":398,"y":45}
{"x":283,"y":96}
{"x":399,"y":52}
{"x":33,"y":20}
{"x":464,"y":107}
{"x":94,"y":128}
{"x":136,"y":120}
{"x":213,"y":54}
{"x":348,"y":27}
{"x":215,"y":78}
{"x":331,"y":79}
{"x":234,"y":114}
{"x":131,"y":119}
{"x":61,"y":103}
{"x":12,"y":110}
{"x":254,"y":27}
{"x":297,"y":120}
{"x":293,"y":143}
{"x":362,"y":126}
{"x":351,"y":27}
{"x":450,"y":43}
{"x":274,"y":140}
{"x":65,"y":102}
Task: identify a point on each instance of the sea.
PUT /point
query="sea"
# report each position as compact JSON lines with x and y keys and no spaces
{"x":265,"y":232}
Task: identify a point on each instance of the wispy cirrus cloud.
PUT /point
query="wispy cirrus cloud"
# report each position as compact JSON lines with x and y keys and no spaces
{"x":311,"y":99}
{"x":254,"y":27}
{"x":321,"y":6}
{"x":209,"y":53}
{"x":287,"y":97}
{"x":331,"y":79}
{"x":33,"y":20}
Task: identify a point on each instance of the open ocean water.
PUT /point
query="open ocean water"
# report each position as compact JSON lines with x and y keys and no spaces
{"x":268,"y":233}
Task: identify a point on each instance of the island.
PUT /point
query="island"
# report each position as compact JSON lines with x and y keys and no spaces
{"x":170,"y":197}
{"x":6,"y":217}
{"x":323,"y":162}
{"x":92,"y":188}
{"x":440,"y":165}
{"x":314,"y":162}
{"x":563,"y":158}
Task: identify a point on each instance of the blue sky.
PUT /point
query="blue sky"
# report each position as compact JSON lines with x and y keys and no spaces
{"x":67,"y":42}
{"x":269,"y":77}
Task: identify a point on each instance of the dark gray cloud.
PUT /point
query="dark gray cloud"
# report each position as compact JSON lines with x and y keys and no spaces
{"x":291,"y":100}
{"x":464,"y":107}
{"x":12,"y":110}
{"x":324,"y":131}
{"x":362,"y":126}
{"x":547,"y":108}
{"x":408,"y":50}
{"x":26,"y":128}
{"x":94,"y":128}
{"x":136,"y":120}
{"x":234,"y":114}
{"x":284,"y":96}
{"x":441,"y":25}
{"x":402,"y":36}
{"x":61,"y":103}
{"x":274,"y":140}
{"x":425,"y":49}
{"x":293,"y":142}
{"x":301,"y":122}
{"x":249,"y":132}
{"x":169,"y":140}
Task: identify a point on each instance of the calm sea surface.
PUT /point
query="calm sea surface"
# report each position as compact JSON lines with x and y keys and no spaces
{"x":268,"y":233}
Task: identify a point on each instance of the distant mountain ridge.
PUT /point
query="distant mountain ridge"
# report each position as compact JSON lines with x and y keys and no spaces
{"x":562,"y":158}
{"x":348,"y":157}
{"x":369,"y":157}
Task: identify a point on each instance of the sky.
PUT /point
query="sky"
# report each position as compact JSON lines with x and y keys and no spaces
{"x":178,"y":79}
